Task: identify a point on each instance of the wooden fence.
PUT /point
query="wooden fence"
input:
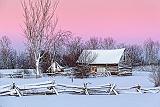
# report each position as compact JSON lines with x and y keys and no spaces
{"x":52,"y":88}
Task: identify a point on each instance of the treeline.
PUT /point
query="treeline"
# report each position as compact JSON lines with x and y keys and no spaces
{"x":67,"y":52}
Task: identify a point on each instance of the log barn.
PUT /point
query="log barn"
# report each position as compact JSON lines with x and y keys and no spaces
{"x":104,"y":61}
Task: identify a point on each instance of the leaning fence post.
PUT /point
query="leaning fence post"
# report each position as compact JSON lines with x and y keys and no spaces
{"x":54,"y":88}
{"x":14,"y":87}
{"x":138,"y":89}
{"x":112,"y":89}
{"x":18,"y":92}
{"x":85,"y":89}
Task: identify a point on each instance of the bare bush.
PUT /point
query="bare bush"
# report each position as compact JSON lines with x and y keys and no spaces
{"x":1,"y":75}
{"x":82,"y":72}
{"x":155,"y":76}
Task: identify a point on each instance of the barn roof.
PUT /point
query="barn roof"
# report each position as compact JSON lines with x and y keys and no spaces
{"x":102,"y":56}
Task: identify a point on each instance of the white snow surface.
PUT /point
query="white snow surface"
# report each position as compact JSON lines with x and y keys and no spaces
{"x":144,"y":100}
{"x":105,"y":56}
{"x":122,"y":100}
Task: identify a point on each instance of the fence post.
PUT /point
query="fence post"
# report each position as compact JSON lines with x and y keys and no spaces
{"x":112,"y":89}
{"x":14,"y":87}
{"x":85,"y":89}
{"x":138,"y":89}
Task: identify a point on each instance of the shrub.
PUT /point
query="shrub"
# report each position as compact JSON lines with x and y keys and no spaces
{"x":1,"y":75}
{"x":155,"y":76}
{"x":82,"y":72}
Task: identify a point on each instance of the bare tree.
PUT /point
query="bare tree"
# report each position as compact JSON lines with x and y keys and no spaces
{"x":72,"y":51}
{"x":46,"y":62}
{"x":134,"y":54}
{"x":61,"y":39}
{"x":13,"y":59}
{"x":86,"y":57}
{"x":6,"y":52}
{"x":151,"y":51}
{"x":23,"y":60}
{"x":108,"y":43}
{"x":84,"y":61}
{"x":39,"y":27}
{"x":93,"y":43}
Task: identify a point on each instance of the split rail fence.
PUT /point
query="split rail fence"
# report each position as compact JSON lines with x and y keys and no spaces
{"x":52,"y":88}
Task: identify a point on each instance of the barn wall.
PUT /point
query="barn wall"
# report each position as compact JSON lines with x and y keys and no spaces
{"x":104,"y":67}
{"x":124,"y":65}
{"x":112,"y":67}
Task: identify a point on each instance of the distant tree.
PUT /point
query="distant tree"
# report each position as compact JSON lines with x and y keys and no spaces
{"x":108,"y":43}
{"x":121,"y":45}
{"x":23,"y":61}
{"x":29,"y":54}
{"x":61,"y":39}
{"x":7,"y":53}
{"x":93,"y":43}
{"x":151,"y":51}
{"x":13,"y":59}
{"x":73,"y":49}
{"x":134,"y":54}
{"x":46,"y":62}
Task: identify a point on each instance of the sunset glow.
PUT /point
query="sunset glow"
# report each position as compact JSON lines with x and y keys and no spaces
{"x":128,"y":21}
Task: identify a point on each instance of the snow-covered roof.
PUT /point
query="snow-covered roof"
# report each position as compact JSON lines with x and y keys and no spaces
{"x":102,"y":56}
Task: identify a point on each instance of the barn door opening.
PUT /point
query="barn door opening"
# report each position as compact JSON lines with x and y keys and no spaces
{"x":93,"y":69}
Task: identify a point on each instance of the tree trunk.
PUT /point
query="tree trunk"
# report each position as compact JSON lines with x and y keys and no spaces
{"x":37,"y":64}
{"x":37,"y":67}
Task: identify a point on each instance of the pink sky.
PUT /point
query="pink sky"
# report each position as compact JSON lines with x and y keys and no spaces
{"x":125,"y":20}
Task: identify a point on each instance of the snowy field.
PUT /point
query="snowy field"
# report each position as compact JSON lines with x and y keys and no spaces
{"x":122,"y":100}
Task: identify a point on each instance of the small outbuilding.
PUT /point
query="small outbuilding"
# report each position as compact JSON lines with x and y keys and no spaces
{"x":104,"y":61}
{"x":55,"y":67}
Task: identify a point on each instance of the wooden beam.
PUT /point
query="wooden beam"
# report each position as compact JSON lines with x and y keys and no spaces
{"x":55,"y":91}
{"x":112,"y":89}
{"x":85,"y":89}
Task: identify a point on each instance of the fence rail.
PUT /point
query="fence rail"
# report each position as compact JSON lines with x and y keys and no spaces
{"x":52,"y":88}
